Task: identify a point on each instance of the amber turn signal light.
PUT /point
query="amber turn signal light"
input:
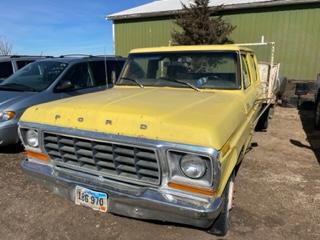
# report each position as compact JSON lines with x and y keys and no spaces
{"x":187,"y":188}
{"x":36,"y":155}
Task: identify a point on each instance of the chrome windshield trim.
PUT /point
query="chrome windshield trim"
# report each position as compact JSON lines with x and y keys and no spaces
{"x":160,"y":146}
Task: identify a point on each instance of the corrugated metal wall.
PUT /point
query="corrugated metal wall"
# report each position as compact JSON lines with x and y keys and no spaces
{"x":141,"y":33}
{"x":296,"y":32}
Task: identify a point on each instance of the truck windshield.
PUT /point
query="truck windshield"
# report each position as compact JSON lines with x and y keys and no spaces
{"x":36,"y":76}
{"x":199,"y":70}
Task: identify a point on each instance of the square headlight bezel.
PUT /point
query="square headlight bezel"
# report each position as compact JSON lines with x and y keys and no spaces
{"x":209,"y":180}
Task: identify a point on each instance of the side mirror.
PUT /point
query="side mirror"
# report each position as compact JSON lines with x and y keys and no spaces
{"x":64,"y":86}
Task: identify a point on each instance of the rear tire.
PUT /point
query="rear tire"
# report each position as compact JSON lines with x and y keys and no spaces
{"x":263,"y":122}
{"x":317,"y":116}
{"x":221,"y":224}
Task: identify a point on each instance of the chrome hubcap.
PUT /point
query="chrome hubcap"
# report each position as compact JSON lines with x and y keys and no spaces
{"x":230,"y":195}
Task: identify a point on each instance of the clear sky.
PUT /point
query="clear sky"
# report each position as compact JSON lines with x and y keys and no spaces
{"x":55,"y":27}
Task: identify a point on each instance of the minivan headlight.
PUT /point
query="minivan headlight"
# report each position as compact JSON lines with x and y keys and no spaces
{"x":6,"y":116}
{"x":32,"y":138}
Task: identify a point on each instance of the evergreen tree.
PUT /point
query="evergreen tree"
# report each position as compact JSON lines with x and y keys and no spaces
{"x":201,"y":25}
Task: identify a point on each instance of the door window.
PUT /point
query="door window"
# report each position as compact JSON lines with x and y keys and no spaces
{"x":253,"y":68}
{"x":79,"y":76}
{"x":102,"y":70}
{"x":245,"y":72}
{"x":98,"y":70}
{"x":114,"y":69}
{"x":5,"y":70}
{"x":21,"y":64}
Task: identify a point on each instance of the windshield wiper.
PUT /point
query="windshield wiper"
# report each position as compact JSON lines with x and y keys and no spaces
{"x":132,"y":80}
{"x":181,"y":82}
{"x":17,"y":87}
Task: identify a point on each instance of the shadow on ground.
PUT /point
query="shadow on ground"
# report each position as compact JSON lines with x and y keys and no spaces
{"x":12,"y":149}
{"x":306,"y":113}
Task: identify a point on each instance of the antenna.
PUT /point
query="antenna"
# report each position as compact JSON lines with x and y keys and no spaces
{"x":105,"y":67}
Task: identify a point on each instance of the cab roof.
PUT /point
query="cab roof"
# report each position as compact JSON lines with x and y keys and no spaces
{"x":74,"y":59}
{"x":225,"y":47}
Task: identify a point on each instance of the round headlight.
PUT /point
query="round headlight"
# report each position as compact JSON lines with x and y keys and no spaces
{"x":32,"y":138}
{"x":193,"y":166}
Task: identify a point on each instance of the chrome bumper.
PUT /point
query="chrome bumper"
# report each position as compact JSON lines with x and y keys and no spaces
{"x":131,"y":201}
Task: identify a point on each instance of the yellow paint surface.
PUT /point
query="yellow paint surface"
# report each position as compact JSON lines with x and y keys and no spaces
{"x":226,"y":47}
{"x":205,"y":118}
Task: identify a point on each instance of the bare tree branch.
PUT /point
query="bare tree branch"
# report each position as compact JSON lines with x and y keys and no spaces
{"x":5,"y":46}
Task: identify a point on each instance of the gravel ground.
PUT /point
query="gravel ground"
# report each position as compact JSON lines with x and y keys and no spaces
{"x":277,"y":195}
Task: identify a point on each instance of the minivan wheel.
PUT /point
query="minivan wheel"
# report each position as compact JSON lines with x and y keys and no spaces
{"x":317,"y":116}
{"x":221,"y":224}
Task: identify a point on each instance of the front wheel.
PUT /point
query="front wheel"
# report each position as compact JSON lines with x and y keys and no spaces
{"x":221,"y":224}
{"x":317,"y":116}
{"x":263,"y":122}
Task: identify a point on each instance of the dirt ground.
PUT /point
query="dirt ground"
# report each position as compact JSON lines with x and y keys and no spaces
{"x":277,"y":195}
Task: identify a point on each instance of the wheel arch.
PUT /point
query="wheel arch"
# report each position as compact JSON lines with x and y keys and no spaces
{"x":230,"y":164}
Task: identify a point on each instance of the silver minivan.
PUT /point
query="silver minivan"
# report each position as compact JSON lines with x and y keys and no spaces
{"x":52,"y":79}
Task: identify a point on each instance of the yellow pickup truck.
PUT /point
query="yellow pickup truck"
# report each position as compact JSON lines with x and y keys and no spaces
{"x":164,"y":144}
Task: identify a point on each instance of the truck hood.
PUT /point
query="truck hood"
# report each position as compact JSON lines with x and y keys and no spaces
{"x":177,"y":115}
{"x":8,"y":98}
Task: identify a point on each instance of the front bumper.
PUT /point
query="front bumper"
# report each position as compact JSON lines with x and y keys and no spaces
{"x":131,"y":201}
{"x":9,"y":134}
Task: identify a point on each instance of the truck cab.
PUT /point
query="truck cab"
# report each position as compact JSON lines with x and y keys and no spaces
{"x":164,"y":144}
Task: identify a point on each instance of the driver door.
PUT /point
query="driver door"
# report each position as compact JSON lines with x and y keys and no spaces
{"x":250,"y":90}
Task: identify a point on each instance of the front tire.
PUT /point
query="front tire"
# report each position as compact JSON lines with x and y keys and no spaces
{"x":221,"y":224}
{"x":317,"y":116}
{"x":263,"y":121}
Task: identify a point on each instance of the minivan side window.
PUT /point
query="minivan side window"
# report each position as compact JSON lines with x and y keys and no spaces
{"x":98,"y":71}
{"x":21,"y":64}
{"x":114,"y":70}
{"x":79,"y":76}
{"x":245,"y":72}
{"x":6,"y":70}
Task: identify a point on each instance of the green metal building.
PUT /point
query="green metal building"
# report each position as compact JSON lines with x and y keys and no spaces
{"x":293,"y":25}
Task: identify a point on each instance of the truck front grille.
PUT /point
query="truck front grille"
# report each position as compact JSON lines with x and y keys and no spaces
{"x":103,"y":159}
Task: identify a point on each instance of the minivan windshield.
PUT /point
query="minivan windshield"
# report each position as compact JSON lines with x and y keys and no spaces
{"x":35,"y":77}
{"x":198,"y":70}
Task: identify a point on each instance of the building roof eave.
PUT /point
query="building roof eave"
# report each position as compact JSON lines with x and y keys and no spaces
{"x":115,"y":17}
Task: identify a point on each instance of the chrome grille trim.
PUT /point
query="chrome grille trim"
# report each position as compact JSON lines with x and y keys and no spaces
{"x":104,"y":159}
{"x":159,"y":145}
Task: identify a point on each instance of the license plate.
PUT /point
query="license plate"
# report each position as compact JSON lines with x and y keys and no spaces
{"x":95,"y":200}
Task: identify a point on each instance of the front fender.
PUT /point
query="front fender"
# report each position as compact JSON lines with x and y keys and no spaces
{"x":228,"y":163}
{"x":238,"y":143}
